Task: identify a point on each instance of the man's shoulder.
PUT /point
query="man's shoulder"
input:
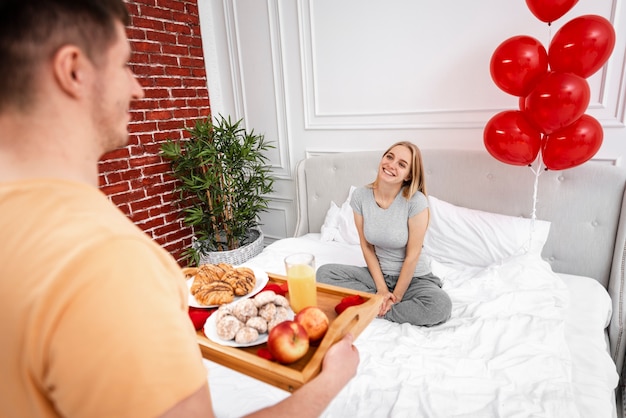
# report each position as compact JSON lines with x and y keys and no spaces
{"x":66,"y":210}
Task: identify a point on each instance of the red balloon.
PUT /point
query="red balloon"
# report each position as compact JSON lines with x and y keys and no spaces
{"x":573,"y":145}
{"x":550,"y":10}
{"x":582,"y":45}
{"x":509,"y":138}
{"x":557,"y":101}
{"x":518,"y":63}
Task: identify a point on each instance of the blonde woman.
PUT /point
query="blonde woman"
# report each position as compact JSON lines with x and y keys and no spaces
{"x":391,"y":216}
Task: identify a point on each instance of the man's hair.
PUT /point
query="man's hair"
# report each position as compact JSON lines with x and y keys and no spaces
{"x":32,"y":31}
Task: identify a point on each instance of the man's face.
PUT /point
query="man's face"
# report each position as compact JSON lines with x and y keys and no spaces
{"x":115,"y":86}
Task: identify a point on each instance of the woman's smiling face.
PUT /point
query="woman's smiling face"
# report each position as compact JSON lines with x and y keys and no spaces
{"x":395,"y":166}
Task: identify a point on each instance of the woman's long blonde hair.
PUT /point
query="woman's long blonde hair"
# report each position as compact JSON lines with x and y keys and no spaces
{"x":417,"y":182}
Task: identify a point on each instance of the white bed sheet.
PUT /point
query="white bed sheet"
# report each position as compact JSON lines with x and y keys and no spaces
{"x":585,"y":386}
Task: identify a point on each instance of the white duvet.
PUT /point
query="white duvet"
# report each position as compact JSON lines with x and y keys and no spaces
{"x":503,"y":353}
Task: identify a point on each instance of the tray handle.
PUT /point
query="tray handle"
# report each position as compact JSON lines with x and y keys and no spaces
{"x":354,"y":319}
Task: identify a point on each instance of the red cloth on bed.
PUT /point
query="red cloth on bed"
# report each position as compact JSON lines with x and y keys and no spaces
{"x":348,"y":301}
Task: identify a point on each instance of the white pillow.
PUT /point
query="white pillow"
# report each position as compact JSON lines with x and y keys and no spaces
{"x":339,"y":223}
{"x":463,"y":236}
{"x":329,"y":229}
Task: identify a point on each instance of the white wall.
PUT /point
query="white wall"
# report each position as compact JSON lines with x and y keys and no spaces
{"x":319,"y":76}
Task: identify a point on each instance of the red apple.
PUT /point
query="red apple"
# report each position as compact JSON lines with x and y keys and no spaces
{"x":288,"y":342}
{"x":314,"y":321}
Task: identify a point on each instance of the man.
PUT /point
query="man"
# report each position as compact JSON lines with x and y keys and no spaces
{"x":93,"y":313}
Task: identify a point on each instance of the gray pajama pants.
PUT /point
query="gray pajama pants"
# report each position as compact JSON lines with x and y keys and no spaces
{"x":424,"y":302}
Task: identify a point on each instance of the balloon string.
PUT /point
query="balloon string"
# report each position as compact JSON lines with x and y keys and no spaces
{"x":547,"y":44}
{"x":537,"y":171}
{"x":549,"y":34}
{"x":533,"y":216}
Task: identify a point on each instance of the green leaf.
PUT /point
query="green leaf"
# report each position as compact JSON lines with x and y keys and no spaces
{"x":223,"y":180}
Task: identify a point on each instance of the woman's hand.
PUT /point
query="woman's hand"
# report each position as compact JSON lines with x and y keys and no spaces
{"x":388,"y":300}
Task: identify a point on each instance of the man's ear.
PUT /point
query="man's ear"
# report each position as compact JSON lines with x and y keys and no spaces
{"x":70,"y":67}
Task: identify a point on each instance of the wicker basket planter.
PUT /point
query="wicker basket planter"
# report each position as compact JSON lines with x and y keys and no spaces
{"x":237,"y":256}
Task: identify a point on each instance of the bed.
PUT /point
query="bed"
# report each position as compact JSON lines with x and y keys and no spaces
{"x":534,"y":264}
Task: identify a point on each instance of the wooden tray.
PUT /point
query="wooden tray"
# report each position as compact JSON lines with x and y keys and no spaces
{"x":292,"y":376}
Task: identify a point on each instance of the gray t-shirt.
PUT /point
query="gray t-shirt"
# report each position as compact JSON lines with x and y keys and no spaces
{"x":388,"y":230}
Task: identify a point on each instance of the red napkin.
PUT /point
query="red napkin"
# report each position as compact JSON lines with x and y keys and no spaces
{"x":279,"y":289}
{"x":349,"y":301}
{"x":265,"y":353}
{"x":199,"y":316}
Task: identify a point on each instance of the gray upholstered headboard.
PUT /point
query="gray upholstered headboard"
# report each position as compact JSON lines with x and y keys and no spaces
{"x":584,"y":204}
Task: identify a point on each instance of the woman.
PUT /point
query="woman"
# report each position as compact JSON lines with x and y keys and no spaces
{"x":391,"y":216}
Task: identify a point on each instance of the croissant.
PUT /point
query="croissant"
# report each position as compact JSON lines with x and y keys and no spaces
{"x":214,"y":293}
{"x":215,"y":269}
{"x":189,"y":272}
{"x":241,"y":279}
{"x":217,"y":284}
{"x":200,"y":280}
{"x":225,"y":267}
{"x":205,"y":274}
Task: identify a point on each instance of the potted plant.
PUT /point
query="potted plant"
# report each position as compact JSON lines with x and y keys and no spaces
{"x":223,"y":186}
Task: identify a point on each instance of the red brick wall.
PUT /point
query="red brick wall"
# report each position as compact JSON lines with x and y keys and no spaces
{"x":169,"y":64}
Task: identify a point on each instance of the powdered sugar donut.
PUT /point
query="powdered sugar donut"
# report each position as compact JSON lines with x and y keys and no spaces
{"x":245,"y":309}
{"x":257,"y":323}
{"x":264,"y":298}
{"x":227,"y":327}
{"x":222,"y":311}
{"x":246,"y":335}
{"x":281,"y":314}
{"x":280,"y":300}
{"x":267,"y":311}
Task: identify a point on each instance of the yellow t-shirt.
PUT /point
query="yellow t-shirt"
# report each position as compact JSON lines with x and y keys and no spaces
{"x":93,"y":313}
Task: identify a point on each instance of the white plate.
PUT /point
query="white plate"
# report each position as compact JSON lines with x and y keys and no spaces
{"x":261,"y":281}
{"x":210,"y":330}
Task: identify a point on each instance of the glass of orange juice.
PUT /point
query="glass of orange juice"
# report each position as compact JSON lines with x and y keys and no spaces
{"x":300,"y":269}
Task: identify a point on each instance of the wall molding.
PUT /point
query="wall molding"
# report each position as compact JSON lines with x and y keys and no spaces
{"x":607,"y":104}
